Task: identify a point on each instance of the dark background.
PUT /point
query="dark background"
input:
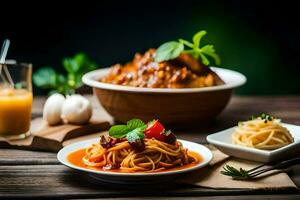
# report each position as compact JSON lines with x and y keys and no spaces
{"x":258,"y":38}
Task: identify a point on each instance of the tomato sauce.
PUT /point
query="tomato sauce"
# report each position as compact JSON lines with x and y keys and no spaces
{"x":76,"y":159}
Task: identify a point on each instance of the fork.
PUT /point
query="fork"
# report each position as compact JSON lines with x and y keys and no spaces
{"x":243,"y":174}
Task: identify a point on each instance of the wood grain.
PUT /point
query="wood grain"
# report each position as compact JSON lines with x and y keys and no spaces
{"x":20,"y":157}
{"x":55,"y":181}
{"x":236,"y":197}
{"x":38,"y":174}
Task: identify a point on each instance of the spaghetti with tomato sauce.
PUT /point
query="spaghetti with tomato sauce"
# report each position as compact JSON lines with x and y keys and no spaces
{"x":137,"y":148}
{"x":76,"y":159}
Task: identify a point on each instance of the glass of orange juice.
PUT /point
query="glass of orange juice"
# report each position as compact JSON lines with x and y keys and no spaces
{"x":15,"y":100}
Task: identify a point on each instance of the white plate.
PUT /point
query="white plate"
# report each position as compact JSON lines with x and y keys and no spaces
{"x":231,"y":78}
{"x":222,"y":140}
{"x":134,"y":178}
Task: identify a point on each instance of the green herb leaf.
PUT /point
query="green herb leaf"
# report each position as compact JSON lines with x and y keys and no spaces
{"x":263,"y":116}
{"x":135,"y":123}
{"x":134,"y":129}
{"x":205,"y":61}
{"x":45,"y":77}
{"x":77,"y":66}
{"x":84,"y":61}
{"x":66,"y":84}
{"x":187,"y":43}
{"x":210,"y":51}
{"x":119,"y":131}
{"x":134,"y":126}
{"x":136,"y":134}
{"x":70,"y":65}
{"x":197,"y":38}
{"x":235,"y":173}
{"x":171,"y":50}
{"x":207,"y":50}
{"x":62,"y":86}
{"x":168,"y":51}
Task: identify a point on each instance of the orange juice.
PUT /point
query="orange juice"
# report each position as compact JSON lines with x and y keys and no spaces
{"x":15,"y":112}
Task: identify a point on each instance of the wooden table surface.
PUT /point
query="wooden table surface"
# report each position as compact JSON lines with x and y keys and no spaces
{"x":39,"y":175}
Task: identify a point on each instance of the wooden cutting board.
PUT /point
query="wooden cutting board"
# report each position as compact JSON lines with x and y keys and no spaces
{"x":52,"y":138}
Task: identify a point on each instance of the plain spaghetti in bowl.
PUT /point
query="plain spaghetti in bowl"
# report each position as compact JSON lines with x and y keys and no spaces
{"x":262,"y":132}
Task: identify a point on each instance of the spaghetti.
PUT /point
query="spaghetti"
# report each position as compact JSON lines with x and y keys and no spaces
{"x":262,"y":133}
{"x":156,"y":156}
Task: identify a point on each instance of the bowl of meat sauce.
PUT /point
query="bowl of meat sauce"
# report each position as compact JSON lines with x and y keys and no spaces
{"x":179,"y":89}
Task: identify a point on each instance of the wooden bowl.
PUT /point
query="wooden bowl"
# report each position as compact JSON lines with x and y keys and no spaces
{"x":172,"y":106}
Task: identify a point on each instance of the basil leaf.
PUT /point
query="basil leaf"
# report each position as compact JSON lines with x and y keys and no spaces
{"x":62,"y":85}
{"x":168,"y":51}
{"x":197,"y":38}
{"x":84,"y":62}
{"x":201,"y":53}
{"x":136,"y":126}
{"x":45,"y":77}
{"x":118,"y":131}
{"x":81,"y":59}
{"x":135,"y":123}
{"x":70,"y":65}
{"x":136,"y":134}
{"x":205,"y":61}
{"x":210,"y":51}
{"x":187,"y":43}
{"x":75,"y":66}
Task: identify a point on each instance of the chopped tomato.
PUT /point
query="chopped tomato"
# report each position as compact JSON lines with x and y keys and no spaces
{"x":155,"y":130}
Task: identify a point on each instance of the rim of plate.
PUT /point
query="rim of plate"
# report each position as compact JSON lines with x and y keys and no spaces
{"x":64,"y":152}
{"x":231,"y":78}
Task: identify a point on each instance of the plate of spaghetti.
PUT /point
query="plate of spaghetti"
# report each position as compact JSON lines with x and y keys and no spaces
{"x":135,"y":152}
{"x":262,"y":138}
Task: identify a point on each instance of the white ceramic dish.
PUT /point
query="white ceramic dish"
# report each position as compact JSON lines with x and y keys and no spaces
{"x":222,"y":140}
{"x":133,"y":178}
{"x":231,"y":78}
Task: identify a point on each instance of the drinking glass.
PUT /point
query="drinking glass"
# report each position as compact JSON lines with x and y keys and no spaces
{"x":15,"y":100}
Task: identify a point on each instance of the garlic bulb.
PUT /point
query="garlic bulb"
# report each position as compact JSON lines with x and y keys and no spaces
{"x":52,"y":109}
{"x":76,"y":110}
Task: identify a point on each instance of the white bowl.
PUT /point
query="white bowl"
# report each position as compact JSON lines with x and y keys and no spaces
{"x":134,"y":178}
{"x":222,"y":140}
{"x":231,"y":78}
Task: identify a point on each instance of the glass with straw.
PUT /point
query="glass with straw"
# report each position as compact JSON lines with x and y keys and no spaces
{"x":15,"y":99}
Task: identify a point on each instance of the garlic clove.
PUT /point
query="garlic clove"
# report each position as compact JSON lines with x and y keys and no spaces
{"x":52,"y":109}
{"x":76,"y":110}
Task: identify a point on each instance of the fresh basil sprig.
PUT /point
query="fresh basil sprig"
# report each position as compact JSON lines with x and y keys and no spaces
{"x":168,"y":51}
{"x":173,"y":49}
{"x":135,"y":134}
{"x":48,"y":78}
{"x":133,"y":130}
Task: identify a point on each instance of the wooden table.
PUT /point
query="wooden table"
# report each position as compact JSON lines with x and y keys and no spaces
{"x":39,"y":175}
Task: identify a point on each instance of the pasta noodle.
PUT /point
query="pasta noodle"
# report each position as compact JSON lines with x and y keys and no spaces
{"x":262,"y":134}
{"x":156,"y":156}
